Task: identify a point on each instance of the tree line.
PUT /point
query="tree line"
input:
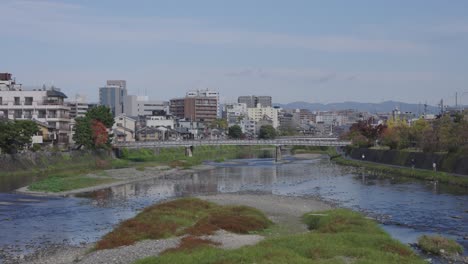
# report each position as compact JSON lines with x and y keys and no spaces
{"x":444,"y":134}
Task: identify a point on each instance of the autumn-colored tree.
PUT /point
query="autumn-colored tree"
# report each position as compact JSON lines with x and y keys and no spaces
{"x":100,"y":135}
{"x":364,"y":134}
{"x":88,"y":131}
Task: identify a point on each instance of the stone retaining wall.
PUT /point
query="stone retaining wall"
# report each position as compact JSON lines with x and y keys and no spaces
{"x":453,"y":163}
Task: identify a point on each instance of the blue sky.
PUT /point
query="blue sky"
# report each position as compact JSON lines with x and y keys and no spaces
{"x":315,"y":51}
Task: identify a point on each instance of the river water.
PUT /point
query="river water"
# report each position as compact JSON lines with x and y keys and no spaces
{"x":407,"y":208}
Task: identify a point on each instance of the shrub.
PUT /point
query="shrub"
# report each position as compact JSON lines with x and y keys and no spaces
{"x":438,"y":244}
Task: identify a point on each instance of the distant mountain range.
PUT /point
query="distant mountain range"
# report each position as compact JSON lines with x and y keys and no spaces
{"x":386,"y":106}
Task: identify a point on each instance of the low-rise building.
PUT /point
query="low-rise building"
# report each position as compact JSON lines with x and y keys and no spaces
{"x":124,"y":128}
{"x":160,"y":121}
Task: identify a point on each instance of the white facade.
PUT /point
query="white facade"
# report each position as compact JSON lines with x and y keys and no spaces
{"x":329,"y":118}
{"x":78,"y":107}
{"x":46,"y":106}
{"x":248,"y":126}
{"x":235,"y":112}
{"x":124,"y":127}
{"x":142,"y":106}
{"x":160,"y":121}
{"x":259,"y":112}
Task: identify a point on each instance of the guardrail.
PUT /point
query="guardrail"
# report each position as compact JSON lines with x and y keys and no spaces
{"x":322,"y":142}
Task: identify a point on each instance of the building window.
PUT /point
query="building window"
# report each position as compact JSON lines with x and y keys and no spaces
{"x":42,"y":114}
{"x":18,"y":113}
{"x":17,"y":101}
{"x":28,"y":100}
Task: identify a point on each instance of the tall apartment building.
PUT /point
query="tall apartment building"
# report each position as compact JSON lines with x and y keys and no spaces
{"x":234,"y":112}
{"x":260,"y":113}
{"x":142,"y":106}
{"x":113,"y":96}
{"x":42,"y":105}
{"x":252,"y":101}
{"x":199,"y":107}
{"x":206,"y":93}
{"x":78,"y":107}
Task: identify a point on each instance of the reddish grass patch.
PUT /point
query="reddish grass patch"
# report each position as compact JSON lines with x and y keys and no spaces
{"x":134,"y":230}
{"x":183,"y":216}
{"x":190,"y":243}
{"x":397,"y":249}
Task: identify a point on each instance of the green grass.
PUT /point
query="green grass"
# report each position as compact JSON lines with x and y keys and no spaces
{"x":189,"y":216}
{"x":383,"y":169}
{"x":340,"y":236}
{"x":65,"y":182}
{"x":176,"y":156}
{"x":434,"y":245}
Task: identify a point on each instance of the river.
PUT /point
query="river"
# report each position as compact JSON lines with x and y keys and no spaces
{"x":406,"y":208}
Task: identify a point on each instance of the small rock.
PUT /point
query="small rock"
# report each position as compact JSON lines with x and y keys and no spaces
{"x":442,"y":251}
{"x":428,"y":260}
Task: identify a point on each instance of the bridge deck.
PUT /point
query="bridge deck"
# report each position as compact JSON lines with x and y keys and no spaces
{"x":277,"y":142}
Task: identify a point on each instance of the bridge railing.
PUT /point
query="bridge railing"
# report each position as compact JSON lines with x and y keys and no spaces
{"x":276,"y":142}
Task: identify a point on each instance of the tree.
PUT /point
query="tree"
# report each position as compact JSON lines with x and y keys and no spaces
{"x":219,"y":123}
{"x":235,"y":132}
{"x":16,"y":135}
{"x":101,"y":113}
{"x":89,"y":130}
{"x":267,"y":132}
{"x":100,"y":135}
{"x":364,"y":134}
{"x":417,"y":131}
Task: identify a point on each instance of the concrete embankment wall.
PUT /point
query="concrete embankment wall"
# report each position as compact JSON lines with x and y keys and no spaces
{"x":453,"y":163}
{"x":44,"y":159}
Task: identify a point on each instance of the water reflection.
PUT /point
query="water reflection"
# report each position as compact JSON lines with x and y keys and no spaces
{"x":417,"y":206}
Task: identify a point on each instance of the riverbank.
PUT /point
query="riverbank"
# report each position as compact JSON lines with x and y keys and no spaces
{"x":118,"y":177}
{"x":134,"y":165}
{"x":386,"y":169}
{"x":332,"y":236}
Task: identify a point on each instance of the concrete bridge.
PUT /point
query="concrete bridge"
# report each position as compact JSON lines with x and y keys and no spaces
{"x":278,"y":143}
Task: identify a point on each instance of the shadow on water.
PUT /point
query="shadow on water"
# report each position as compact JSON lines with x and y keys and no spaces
{"x":407,"y":208}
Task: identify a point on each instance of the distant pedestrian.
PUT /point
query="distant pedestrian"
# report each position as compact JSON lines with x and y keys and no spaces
{"x":363,"y":156}
{"x":413,"y":163}
{"x":434,"y":166}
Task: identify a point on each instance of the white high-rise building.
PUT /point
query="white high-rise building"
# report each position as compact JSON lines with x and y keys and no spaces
{"x":234,"y":112}
{"x":142,"y":106}
{"x":78,"y":107}
{"x":259,"y":113}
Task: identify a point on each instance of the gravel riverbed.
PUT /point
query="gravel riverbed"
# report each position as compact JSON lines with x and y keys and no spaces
{"x":285,"y":211}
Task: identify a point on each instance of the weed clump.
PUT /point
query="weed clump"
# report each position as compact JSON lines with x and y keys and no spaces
{"x":439,"y":245}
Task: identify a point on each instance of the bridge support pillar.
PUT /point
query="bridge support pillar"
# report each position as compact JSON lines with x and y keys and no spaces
{"x":189,"y":151}
{"x":278,"y":156}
